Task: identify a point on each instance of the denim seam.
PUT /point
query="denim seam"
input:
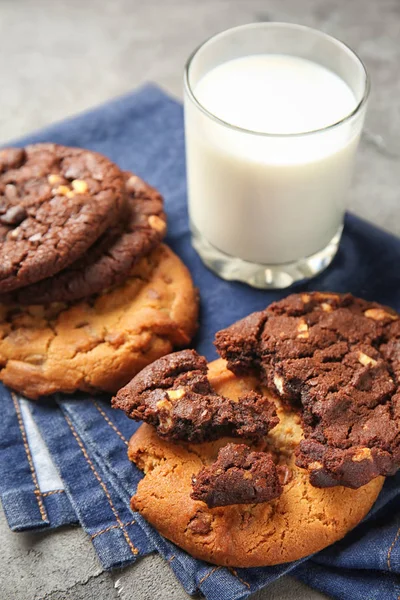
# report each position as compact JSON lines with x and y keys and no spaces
{"x":45,"y":494}
{"x":134,"y":550}
{"x":117,"y":431}
{"x":110,"y":423}
{"x":207,"y":575}
{"x":37,"y":492}
{"x":234,"y":572}
{"x":111,"y":527}
{"x":389,"y":554}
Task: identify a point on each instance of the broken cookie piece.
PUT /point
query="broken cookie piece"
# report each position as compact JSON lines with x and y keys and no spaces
{"x":338,"y":359}
{"x":175,"y":396}
{"x":238,"y":476}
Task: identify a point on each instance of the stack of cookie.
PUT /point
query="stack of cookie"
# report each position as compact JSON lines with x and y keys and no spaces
{"x":89,"y":294}
{"x":310,"y":388}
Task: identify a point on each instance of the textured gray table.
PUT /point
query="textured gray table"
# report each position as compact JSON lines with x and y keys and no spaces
{"x":61,"y":57}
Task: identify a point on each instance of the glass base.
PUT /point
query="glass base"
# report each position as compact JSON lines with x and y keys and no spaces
{"x":264,"y":276}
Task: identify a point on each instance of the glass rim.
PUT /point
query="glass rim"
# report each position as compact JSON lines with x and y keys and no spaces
{"x":277,"y":24}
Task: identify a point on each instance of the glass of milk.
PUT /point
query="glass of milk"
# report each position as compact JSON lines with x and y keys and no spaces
{"x":273,"y":116}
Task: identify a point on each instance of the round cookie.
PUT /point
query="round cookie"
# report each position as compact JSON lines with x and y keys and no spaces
{"x":54,"y":204}
{"x":108,"y":261}
{"x":301,"y":521}
{"x":99,"y":345}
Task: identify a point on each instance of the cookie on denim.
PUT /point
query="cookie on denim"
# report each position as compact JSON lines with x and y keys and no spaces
{"x":99,"y":344}
{"x":301,"y":520}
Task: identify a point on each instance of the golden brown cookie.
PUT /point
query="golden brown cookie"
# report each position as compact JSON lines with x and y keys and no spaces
{"x":303,"y":520}
{"x":99,"y":344}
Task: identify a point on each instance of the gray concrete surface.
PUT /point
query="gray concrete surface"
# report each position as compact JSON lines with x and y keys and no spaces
{"x":61,"y":57}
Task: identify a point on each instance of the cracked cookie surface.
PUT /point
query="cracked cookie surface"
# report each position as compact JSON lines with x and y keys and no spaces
{"x":98,"y":345}
{"x":175,"y":396}
{"x":338,"y":358}
{"x":238,"y":476}
{"x":140,"y":228}
{"x":54,"y":204}
{"x":301,"y":521}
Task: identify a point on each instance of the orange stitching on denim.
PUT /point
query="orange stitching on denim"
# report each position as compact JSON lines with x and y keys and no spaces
{"x":94,"y":535}
{"x":208,"y":574}
{"x":111,"y":424}
{"x":37,"y":491}
{"x":45,"y":494}
{"x":102,"y":484}
{"x":171,"y":558}
{"x":391,"y":549}
{"x":234,"y":573}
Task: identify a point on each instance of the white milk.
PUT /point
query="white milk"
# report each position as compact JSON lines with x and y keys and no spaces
{"x":262,"y":198}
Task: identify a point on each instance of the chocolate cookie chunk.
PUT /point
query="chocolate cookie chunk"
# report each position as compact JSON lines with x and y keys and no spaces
{"x":141,"y":226}
{"x":174,"y":395}
{"x":338,"y":359}
{"x":54,"y":204}
{"x":238,"y":476}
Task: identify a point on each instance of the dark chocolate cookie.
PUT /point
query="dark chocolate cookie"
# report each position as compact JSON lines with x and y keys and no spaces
{"x":238,"y":476}
{"x":174,"y":395}
{"x":109,"y":260}
{"x":54,"y":204}
{"x":338,"y":359}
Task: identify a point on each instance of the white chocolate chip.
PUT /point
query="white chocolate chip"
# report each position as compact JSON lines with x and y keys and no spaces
{"x":157,"y":224}
{"x":80,"y":186}
{"x":363,"y":454}
{"x":378,"y":314}
{"x":176,"y":394}
{"x":61,"y":190}
{"x":302,"y":328}
{"x":315,"y":466}
{"x":366,"y":360}
{"x":164,"y":403}
{"x":278,"y":382}
{"x":53,"y":179}
{"x":326,"y":307}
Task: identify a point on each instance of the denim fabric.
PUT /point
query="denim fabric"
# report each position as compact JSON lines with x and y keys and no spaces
{"x":104,"y":434}
{"x":87,"y":440}
{"x":25,"y":505}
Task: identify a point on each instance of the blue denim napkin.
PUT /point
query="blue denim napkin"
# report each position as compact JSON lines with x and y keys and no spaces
{"x":82,"y":475}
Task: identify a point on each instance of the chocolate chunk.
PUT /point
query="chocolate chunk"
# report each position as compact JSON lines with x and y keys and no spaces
{"x":174,"y":395}
{"x":238,"y":476}
{"x":338,"y":358}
